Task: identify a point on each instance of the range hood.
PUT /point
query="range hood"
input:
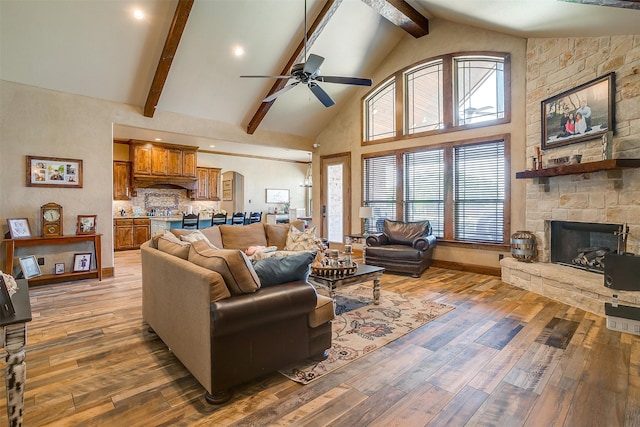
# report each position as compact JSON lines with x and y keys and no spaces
{"x":186,"y":183}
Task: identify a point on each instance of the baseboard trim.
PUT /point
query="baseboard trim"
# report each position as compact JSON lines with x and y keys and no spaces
{"x":470,"y":268}
{"x":108,"y":272}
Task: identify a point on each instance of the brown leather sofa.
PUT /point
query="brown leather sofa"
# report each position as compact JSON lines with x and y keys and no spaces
{"x":208,"y":307}
{"x":402,"y":247}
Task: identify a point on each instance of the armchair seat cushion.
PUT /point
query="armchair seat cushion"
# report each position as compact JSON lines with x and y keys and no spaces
{"x":397,"y":252}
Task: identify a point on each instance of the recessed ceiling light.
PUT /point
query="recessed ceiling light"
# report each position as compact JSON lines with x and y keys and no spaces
{"x":212,"y":146}
{"x":138,"y":14}
{"x":158,"y":139}
{"x":238,"y":51}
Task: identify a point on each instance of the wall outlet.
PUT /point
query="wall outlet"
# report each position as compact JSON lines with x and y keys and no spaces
{"x":41,"y":261}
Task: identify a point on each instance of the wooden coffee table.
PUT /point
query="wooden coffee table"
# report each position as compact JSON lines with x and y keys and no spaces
{"x":364,"y":273}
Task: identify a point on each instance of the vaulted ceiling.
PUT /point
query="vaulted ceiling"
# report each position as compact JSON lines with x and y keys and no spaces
{"x":98,"y":49}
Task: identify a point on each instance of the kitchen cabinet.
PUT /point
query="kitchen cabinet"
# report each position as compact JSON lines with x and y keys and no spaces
{"x":121,"y":180}
{"x":130,"y":233}
{"x":208,"y":184}
{"x":162,"y":160}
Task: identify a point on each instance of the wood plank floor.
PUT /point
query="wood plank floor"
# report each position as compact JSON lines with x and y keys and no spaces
{"x":503,"y":357}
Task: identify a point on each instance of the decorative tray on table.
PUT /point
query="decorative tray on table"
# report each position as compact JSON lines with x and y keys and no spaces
{"x":333,"y":266}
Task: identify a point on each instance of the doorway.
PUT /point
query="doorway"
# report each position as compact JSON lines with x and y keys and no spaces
{"x":335,"y":196}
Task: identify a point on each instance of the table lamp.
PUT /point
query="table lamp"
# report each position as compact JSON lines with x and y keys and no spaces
{"x":366,"y":212}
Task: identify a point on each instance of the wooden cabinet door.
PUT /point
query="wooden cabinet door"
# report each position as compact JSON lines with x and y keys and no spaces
{"x":189,"y":161}
{"x":174,"y":162}
{"x":214,"y":184}
{"x":121,"y":180}
{"x":158,"y":160}
{"x":123,"y":234}
{"x":141,"y":157}
{"x":141,"y":231}
{"x":203,"y":183}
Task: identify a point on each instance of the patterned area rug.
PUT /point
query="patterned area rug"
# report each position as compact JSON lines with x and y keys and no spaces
{"x":361,"y":327}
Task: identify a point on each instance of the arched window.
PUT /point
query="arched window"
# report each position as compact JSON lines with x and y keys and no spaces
{"x":380,"y":112}
{"x":424,"y":95}
{"x":479,"y":89}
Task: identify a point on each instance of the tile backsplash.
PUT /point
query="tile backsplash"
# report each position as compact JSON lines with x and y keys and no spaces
{"x":162,"y":200}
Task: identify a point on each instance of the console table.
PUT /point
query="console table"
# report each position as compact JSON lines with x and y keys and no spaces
{"x":12,"y":244}
{"x":13,"y":338}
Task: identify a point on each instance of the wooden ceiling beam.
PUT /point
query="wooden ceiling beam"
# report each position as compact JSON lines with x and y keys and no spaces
{"x":402,"y":14}
{"x":174,"y":35}
{"x":313,"y":32}
{"x":626,"y":4}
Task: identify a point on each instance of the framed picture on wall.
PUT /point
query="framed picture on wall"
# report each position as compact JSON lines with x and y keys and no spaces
{"x":54,"y":172}
{"x":274,"y":195}
{"x":227,"y":190}
{"x":579,"y":114}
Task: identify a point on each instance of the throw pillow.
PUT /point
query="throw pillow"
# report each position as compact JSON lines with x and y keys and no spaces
{"x":232,"y":264}
{"x":172,"y":245}
{"x":196,"y":236}
{"x":301,"y":240}
{"x":277,"y":270}
{"x":237,"y":237}
{"x":252,"y":250}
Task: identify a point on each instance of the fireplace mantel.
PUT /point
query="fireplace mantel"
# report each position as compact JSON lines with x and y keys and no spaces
{"x":602,"y":165}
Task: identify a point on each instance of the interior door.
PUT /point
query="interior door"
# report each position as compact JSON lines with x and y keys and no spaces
{"x":335,"y":196}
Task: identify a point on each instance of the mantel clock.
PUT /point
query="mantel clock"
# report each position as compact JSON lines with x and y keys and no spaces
{"x":51,"y":215}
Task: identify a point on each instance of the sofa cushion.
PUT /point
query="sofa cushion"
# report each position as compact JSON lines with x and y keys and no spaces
{"x":301,"y":240}
{"x":277,"y":270}
{"x":323,"y":312}
{"x":241,"y":237}
{"x":276,"y":234}
{"x":394,"y":252}
{"x":404,"y":233}
{"x":170,"y":244}
{"x":233,"y":265}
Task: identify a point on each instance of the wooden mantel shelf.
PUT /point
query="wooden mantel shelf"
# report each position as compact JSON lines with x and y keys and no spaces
{"x":602,"y":165}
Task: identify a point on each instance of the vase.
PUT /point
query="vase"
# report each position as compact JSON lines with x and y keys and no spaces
{"x":523,"y":246}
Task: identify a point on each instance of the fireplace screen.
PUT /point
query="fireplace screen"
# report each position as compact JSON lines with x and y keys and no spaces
{"x":584,"y":245}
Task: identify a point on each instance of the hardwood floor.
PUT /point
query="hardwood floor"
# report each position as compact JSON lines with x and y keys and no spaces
{"x":503,"y":357}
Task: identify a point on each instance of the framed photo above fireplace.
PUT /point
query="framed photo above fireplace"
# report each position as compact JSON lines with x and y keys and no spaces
{"x":579,"y":114}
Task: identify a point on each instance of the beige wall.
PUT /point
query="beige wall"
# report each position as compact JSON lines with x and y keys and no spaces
{"x":344,"y":132}
{"x":52,"y":124}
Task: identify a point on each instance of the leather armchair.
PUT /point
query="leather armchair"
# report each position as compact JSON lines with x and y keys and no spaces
{"x":403,"y":247}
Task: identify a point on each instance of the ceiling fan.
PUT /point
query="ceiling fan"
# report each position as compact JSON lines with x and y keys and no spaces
{"x":308,"y":73}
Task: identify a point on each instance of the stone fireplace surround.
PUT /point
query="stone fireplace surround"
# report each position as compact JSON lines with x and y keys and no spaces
{"x":605,"y":197}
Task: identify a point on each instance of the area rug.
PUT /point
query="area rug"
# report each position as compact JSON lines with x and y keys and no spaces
{"x":362,"y":327}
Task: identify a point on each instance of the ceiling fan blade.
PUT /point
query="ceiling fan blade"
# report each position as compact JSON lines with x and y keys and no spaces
{"x":322,"y":96}
{"x":277,"y":93}
{"x":345,"y":80}
{"x":266,"y":77}
{"x":313,"y":64}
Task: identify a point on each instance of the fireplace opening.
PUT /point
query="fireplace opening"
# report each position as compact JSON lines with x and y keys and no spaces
{"x":583,"y":245}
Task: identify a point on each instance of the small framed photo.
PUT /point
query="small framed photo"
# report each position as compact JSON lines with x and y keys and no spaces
{"x":59,"y":269}
{"x":82,"y":262}
{"x":19,"y":228}
{"x":30,"y":267}
{"x":86,"y":224}
{"x":54,"y":172}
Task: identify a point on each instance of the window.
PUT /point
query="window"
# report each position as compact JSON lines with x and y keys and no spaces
{"x":380,"y":117}
{"x":479,"y":89}
{"x":424,"y":188}
{"x":479,"y":190}
{"x":443,"y":94}
{"x":471,"y":173}
{"x":423,"y":87}
{"x":379,"y":190}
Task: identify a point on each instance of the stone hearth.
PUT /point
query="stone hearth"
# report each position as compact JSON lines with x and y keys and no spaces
{"x":569,"y":285}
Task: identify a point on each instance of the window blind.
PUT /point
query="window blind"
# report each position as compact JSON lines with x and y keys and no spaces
{"x":479,"y":192}
{"x":379,"y":189}
{"x":424,"y":188}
